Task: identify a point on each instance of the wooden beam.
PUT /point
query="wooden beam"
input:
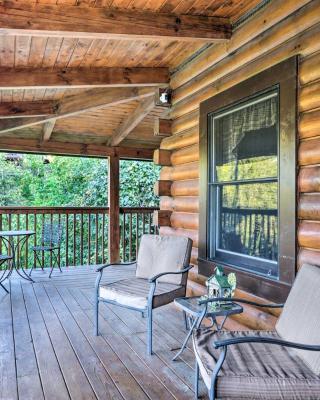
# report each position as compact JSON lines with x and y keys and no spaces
{"x":162,"y":127}
{"x":162,"y":157}
{"x":114,"y":209}
{"x":47,"y":130}
{"x":162,"y":218}
{"x":18,"y":109}
{"x":73,"y":105}
{"x":17,"y":18}
{"x":75,"y":149}
{"x":162,"y":188}
{"x":81,"y":77}
{"x":132,"y":121}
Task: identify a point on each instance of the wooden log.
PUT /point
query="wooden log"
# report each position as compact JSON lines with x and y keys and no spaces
{"x":18,"y":109}
{"x":293,"y":25}
{"x":309,"y":97}
{"x":161,"y":218}
{"x":307,"y":256}
{"x":305,"y":43}
{"x":185,"y":155}
{"x":194,"y":260}
{"x":193,"y":235}
{"x":182,"y":204}
{"x":271,"y":15}
{"x":309,"y":179}
{"x":39,"y":78}
{"x":309,"y":206}
{"x":186,"y":122}
{"x":105,"y":23}
{"x":184,"y":139}
{"x":47,"y":130}
{"x":309,"y":235}
{"x":309,"y":124}
{"x":180,"y":172}
{"x":309,"y":152}
{"x":162,"y":157}
{"x":185,"y":220}
{"x":310,"y":69}
{"x":162,"y":188}
{"x":162,"y":128}
{"x":185,"y":188}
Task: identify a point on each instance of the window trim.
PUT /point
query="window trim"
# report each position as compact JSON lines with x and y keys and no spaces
{"x":284,"y":75}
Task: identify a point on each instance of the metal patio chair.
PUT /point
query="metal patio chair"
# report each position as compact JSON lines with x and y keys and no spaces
{"x":267,"y":365}
{"x":50,"y":242}
{"x":160,"y":276}
{"x":4,"y":274}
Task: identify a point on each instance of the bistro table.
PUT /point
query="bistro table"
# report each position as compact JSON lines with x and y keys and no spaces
{"x":196,"y":312}
{"x":8,"y":238}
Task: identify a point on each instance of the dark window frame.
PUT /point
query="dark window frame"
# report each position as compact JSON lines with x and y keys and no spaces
{"x":284,"y":76}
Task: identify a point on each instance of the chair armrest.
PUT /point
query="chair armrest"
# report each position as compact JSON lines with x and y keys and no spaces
{"x":154,"y":278}
{"x":102,"y":267}
{"x":235,"y":299}
{"x":269,"y":340}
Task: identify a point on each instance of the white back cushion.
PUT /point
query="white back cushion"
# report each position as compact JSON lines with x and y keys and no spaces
{"x":159,"y":253}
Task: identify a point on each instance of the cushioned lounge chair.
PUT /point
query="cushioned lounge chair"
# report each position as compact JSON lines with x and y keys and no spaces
{"x":281,"y":364}
{"x":161,"y":275}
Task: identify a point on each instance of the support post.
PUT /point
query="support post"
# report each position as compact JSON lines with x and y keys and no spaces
{"x":114,"y":211}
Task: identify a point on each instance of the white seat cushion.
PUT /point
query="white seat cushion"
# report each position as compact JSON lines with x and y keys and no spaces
{"x":134,"y":292}
{"x":159,"y":253}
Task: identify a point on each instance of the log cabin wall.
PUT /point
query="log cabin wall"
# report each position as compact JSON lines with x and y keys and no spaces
{"x":275,"y":33}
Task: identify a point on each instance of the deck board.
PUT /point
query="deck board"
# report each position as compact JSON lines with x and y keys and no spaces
{"x":48,"y":350}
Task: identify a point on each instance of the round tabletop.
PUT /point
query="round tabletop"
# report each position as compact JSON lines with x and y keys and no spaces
{"x":16,"y":233}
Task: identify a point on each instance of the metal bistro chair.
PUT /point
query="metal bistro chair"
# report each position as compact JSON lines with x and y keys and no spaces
{"x":50,"y":242}
{"x":267,"y":365}
{"x":160,"y":276}
{"x":5,"y":273}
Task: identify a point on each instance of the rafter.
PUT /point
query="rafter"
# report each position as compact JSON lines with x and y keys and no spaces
{"x":17,"y":18}
{"x":27,"y":109}
{"x":73,"y":105}
{"x":37,"y":78}
{"x":132,"y":121}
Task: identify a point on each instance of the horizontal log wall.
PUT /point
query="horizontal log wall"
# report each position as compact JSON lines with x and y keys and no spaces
{"x":277,"y":32}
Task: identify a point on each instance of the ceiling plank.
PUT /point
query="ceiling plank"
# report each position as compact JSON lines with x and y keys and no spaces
{"x":132,"y":121}
{"x":18,"y":18}
{"x":47,"y":130}
{"x":24,"y":109}
{"x":63,"y":148}
{"x":73,"y":105}
{"x":37,"y":78}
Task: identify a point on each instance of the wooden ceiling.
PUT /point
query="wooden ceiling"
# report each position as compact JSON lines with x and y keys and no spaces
{"x":51,"y":50}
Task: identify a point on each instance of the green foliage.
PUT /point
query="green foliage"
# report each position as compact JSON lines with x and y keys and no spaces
{"x":74,"y":181}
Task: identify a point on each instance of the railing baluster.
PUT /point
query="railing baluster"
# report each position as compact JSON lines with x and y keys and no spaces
{"x":130,"y":238}
{"x":89,"y":238}
{"x":67,"y":239}
{"x":124,"y":236}
{"x":103,"y":242}
{"x":81,"y":238}
{"x":27,"y":241}
{"x":97,"y":238}
{"x":74,"y":238}
{"x":34,"y":237}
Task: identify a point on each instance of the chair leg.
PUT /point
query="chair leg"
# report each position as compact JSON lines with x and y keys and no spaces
{"x":4,"y":288}
{"x":96,"y":317}
{"x":196,"y":381}
{"x":185,"y":320}
{"x":149,"y":331}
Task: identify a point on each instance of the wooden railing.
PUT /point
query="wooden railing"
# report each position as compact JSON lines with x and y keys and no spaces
{"x":84,"y":232}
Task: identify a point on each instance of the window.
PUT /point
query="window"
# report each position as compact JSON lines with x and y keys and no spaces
{"x":243,"y":184}
{"x":248,"y":181}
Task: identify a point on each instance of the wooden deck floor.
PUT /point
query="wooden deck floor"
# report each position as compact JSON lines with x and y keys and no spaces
{"x":48,"y":350}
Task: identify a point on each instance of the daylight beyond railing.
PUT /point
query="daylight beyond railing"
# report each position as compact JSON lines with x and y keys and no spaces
{"x":84,"y":232}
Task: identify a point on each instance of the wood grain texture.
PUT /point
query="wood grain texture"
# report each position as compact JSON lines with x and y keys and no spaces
{"x":309,"y":235}
{"x":309,"y":207}
{"x":309,"y":152}
{"x":27,"y":109}
{"x":309,"y":124}
{"x":114,"y":219}
{"x":309,"y":179}
{"x":61,"y":21}
{"x":37,"y":78}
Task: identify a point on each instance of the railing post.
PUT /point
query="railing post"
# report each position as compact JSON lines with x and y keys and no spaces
{"x":114,"y":211}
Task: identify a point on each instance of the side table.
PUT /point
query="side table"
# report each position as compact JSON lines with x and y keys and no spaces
{"x":196,"y":312}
